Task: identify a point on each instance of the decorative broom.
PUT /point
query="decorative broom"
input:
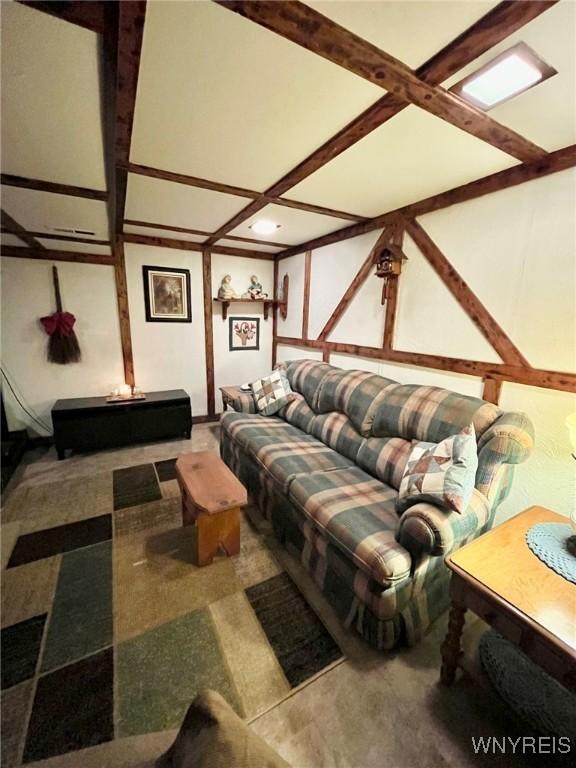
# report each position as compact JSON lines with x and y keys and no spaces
{"x":63,"y":345}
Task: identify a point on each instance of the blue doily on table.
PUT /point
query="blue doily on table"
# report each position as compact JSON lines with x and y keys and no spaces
{"x":548,"y":542}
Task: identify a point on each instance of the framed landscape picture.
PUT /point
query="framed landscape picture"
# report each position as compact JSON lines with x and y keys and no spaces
{"x":167,"y":295}
{"x":244,"y":333}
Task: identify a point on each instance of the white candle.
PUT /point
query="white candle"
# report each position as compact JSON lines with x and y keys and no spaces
{"x":125,"y":390}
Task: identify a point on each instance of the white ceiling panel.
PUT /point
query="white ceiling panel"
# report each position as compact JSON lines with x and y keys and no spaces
{"x":68,"y":245}
{"x":410,"y":157}
{"x":545,"y":114}
{"x":131,"y":228}
{"x":51,"y":119}
{"x":167,"y":202}
{"x":251,"y":246}
{"x":411,"y":31}
{"x":42,"y":211}
{"x":295,"y":225}
{"x":222,"y":98}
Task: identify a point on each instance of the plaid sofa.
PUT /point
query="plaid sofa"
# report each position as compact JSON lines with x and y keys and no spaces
{"x":326,"y":471}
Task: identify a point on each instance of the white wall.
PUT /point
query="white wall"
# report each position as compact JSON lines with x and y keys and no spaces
{"x":240,"y":366}
{"x":517,"y":251}
{"x":167,"y":355}
{"x":27,"y":294}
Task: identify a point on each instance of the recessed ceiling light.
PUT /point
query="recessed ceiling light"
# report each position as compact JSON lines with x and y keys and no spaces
{"x":513,"y":72}
{"x":264,"y":227}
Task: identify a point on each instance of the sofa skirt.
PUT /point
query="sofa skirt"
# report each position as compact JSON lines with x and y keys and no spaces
{"x":420,"y":600}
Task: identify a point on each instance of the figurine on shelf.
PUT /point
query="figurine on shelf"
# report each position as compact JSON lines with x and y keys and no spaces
{"x":226,"y":291}
{"x":255,"y":289}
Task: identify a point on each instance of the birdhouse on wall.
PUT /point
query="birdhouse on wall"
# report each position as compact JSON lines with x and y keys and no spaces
{"x":389,"y":265}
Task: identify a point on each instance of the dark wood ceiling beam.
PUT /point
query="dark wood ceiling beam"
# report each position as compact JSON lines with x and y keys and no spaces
{"x":229,"y":189}
{"x":9,"y":180}
{"x":187,"y":230}
{"x":8,"y":230}
{"x":11,"y":227}
{"x":500,"y":22}
{"x":47,"y":254}
{"x":186,"y":245}
{"x":560,"y":160}
{"x":316,"y":33}
{"x":86,"y":13}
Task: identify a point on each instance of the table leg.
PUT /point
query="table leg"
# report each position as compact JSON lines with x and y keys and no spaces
{"x":451,"y":646}
{"x":218,"y":534}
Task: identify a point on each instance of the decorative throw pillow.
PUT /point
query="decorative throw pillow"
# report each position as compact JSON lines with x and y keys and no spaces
{"x":272,"y":393}
{"x":441,"y":473}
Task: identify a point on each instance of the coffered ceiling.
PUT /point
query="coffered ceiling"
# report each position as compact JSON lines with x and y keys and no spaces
{"x":223,"y":99}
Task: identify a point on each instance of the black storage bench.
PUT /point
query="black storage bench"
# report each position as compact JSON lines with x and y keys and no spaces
{"x":91,"y":423}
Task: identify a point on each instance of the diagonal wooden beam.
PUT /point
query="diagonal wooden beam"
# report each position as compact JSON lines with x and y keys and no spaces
{"x":560,"y":160}
{"x":496,"y":25}
{"x":9,"y":180}
{"x":11,"y":226}
{"x":355,"y":285}
{"x":54,"y":255}
{"x":470,"y":303}
{"x":85,"y":13}
{"x":316,"y":33}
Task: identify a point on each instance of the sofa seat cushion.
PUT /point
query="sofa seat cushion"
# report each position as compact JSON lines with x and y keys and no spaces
{"x":283,"y":452}
{"x":358,"y":515}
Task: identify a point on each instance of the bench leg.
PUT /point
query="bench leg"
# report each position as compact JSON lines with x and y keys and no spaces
{"x":217,"y":532}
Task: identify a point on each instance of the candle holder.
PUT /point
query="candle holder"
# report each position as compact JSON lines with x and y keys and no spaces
{"x":125,"y":393}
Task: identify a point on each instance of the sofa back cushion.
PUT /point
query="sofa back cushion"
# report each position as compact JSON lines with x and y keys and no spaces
{"x":358,"y":394}
{"x":430,"y":414}
{"x":305,"y":376}
{"x":385,"y":458}
{"x":337,"y":431}
{"x":298,"y":413}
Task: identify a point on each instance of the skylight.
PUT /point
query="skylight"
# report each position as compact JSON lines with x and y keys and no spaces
{"x":514,"y":71}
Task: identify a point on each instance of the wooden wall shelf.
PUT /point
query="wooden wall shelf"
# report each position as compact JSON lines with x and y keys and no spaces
{"x":267,"y":303}
{"x":282,"y":303}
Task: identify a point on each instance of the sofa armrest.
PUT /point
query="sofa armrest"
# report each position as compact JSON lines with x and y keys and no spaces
{"x":428,"y":529}
{"x":241,"y":402}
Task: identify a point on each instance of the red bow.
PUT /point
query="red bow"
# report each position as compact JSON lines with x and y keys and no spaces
{"x":59,"y":322}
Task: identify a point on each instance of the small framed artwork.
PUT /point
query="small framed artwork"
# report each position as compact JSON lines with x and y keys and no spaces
{"x":167,"y":295}
{"x":244,"y":333}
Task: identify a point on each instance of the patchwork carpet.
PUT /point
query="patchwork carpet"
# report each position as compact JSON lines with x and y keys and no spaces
{"x":109,"y":629}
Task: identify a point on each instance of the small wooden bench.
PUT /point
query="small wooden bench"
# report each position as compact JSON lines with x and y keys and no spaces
{"x":211,"y":499}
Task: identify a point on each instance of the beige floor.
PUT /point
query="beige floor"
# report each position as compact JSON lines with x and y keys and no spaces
{"x":370,"y":711}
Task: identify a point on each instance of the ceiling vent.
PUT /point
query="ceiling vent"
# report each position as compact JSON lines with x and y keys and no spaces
{"x":71,"y":231}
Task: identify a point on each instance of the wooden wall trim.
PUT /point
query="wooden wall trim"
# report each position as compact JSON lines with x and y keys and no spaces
{"x":391,"y":301}
{"x":208,"y":330}
{"x":470,"y":303}
{"x":491,"y":390}
{"x":187,"y":245}
{"x":358,"y":281}
{"x":559,"y":160}
{"x":9,"y":180}
{"x":123,"y":310}
{"x":85,"y":13}
{"x":535,"y":377}
{"x":275,"y":314}
{"x":12,"y":227}
{"x":306,"y":302}
{"x":308,"y":28}
{"x":47,"y":254}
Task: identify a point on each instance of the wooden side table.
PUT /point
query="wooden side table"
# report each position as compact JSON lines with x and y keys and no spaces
{"x":502,"y":581}
{"x":211,"y":499}
{"x":229,"y":394}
